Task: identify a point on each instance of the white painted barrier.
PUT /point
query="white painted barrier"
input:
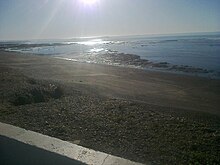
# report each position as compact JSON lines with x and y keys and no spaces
{"x":60,"y":147}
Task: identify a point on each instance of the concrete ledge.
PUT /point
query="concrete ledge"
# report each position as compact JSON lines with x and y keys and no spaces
{"x":21,"y":140}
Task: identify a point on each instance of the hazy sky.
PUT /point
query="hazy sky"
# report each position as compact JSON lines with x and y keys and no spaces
{"x":36,"y":19}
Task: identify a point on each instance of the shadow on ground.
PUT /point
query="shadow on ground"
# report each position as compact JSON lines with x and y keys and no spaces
{"x":13,"y":152}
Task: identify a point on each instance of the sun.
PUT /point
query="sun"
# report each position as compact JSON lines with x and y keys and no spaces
{"x":89,"y":2}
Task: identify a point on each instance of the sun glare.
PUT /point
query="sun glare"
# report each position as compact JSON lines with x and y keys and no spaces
{"x":89,"y":2}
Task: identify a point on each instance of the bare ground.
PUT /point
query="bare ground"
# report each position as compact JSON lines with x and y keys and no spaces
{"x":140,"y":115}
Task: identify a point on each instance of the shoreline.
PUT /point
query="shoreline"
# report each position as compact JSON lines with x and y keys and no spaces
{"x":134,"y":61}
{"x":141,"y":115}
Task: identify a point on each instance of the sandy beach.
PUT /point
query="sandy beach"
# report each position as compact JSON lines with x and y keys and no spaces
{"x":145,"y":116}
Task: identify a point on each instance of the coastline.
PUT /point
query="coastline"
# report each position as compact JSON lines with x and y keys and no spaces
{"x":114,"y":58}
{"x":107,"y":107}
{"x":135,"y":61}
{"x":179,"y":54}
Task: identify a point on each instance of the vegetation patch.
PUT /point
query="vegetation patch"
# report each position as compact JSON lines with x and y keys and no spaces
{"x":37,"y":95}
{"x":17,"y":89}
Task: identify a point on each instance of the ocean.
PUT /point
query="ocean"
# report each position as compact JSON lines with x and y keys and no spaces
{"x":194,"y":54}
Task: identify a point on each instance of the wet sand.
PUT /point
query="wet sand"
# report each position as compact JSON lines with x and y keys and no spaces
{"x":140,"y":115}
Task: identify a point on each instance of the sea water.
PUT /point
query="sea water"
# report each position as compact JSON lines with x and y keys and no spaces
{"x":200,"y":50}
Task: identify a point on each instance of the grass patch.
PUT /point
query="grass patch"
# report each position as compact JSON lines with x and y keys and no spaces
{"x":37,"y":94}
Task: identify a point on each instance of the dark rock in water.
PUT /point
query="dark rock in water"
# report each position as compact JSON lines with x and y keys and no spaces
{"x":123,"y":59}
{"x":161,"y":65}
{"x":164,"y":63}
{"x":188,"y":69}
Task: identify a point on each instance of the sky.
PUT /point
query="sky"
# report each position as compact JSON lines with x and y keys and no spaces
{"x":47,"y":19}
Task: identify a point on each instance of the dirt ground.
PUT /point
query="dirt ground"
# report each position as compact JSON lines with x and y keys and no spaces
{"x":139,"y":115}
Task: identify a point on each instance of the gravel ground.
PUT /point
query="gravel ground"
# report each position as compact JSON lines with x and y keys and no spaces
{"x":131,"y":129}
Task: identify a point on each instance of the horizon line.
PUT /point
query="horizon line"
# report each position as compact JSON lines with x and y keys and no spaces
{"x":106,"y":36}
